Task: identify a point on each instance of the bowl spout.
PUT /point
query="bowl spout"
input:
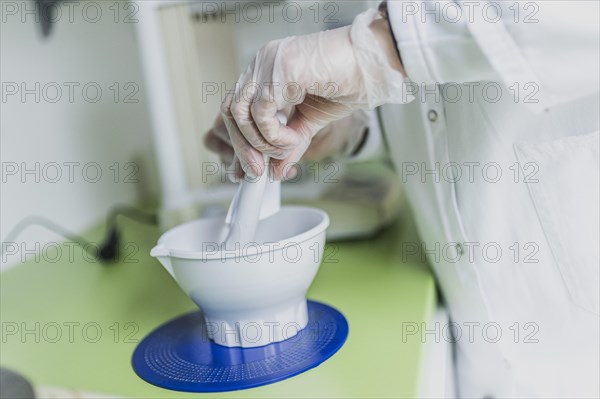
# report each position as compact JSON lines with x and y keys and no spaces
{"x":164,"y":257}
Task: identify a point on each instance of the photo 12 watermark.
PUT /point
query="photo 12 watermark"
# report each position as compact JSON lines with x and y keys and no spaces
{"x":471,"y":92}
{"x":289,"y":92}
{"x":471,"y":252}
{"x":325,"y":172}
{"x":90,"y":12}
{"x":266,"y":331}
{"x":69,"y":172}
{"x":450,"y":12}
{"x":72,"y":252}
{"x":284,"y":252}
{"x":477,"y":172}
{"x":267,"y":12}
{"x":71,"y":332}
{"x":470,"y":332}
{"x":70,"y":92}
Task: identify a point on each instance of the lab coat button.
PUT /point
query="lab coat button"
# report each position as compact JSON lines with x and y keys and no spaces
{"x":432,"y":115}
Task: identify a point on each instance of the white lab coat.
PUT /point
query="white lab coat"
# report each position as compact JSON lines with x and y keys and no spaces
{"x":541,"y":292}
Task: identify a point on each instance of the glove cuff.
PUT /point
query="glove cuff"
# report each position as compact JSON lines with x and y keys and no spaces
{"x":382,"y":83}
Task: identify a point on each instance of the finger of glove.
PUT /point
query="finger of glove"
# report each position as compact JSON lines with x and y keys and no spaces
{"x":319,"y":112}
{"x":250,"y":159}
{"x":286,"y":169}
{"x":219,"y":146}
{"x":248,"y":125}
{"x":220,"y":130}
{"x":278,"y":140}
{"x":235,"y":173}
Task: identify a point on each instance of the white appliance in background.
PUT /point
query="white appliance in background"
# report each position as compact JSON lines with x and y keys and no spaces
{"x":192,"y":52}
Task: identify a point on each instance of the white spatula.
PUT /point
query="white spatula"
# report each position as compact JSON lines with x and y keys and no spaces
{"x":255,"y":199}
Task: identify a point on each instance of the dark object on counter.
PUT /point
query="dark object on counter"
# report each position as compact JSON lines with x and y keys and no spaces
{"x":14,"y":386}
{"x":45,"y":9}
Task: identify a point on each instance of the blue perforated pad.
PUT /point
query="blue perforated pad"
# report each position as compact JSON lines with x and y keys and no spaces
{"x":179,"y":356}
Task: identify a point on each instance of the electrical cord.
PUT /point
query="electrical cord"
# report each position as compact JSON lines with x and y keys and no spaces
{"x":110,"y":247}
{"x":107,"y":251}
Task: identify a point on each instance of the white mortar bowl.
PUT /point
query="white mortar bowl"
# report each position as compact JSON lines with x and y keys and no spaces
{"x":256,"y":294}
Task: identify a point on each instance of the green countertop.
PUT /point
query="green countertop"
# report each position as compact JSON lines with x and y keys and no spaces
{"x":75,"y":323}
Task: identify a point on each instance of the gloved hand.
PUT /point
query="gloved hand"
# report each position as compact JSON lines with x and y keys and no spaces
{"x":315,"y":80}
{"x":342,"y":138}
{"x":337,"y":139}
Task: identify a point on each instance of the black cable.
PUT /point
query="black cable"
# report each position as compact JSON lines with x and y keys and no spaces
{"x":107,"y":251}
{"x":110,"y":247}
{"x":34,"y":220}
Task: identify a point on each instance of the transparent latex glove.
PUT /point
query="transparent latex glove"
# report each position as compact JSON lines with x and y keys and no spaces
{"x":342,"y":138}
{"x":339,"y":138}
{"x":315,"y":80}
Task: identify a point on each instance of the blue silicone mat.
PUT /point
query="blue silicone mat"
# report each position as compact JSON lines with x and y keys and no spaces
{"x":179,"y":356}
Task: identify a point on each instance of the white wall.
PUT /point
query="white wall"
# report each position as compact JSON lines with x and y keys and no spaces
{"x":105,"y":132}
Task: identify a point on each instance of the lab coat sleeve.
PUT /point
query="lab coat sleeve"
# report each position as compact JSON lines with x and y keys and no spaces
{"x":550,"y":46}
